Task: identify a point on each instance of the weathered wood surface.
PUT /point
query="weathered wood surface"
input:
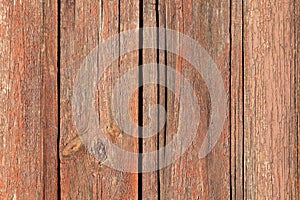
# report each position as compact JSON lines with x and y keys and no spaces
{"x":211,"y":31}
{"x":270,"y":118}
{"x":28,"y":100}
{"x":256,"y":47}
{"x":149,"y":181}
{"x":237,"y":101}
{"x":85,"y":24}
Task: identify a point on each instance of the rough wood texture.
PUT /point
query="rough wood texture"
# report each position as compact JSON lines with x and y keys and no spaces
{"x":270,"y":101}
{"x":28,"y":100}
{"x":150,"y":183}
{"x":237,"y":101}
{"x":84,"y":24}
{"x":297,"y":81}
{"x":188,"y":177}
{"x":256,"y":47}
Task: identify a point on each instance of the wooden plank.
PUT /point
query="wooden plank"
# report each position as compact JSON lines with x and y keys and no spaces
{"x":77,"y":179}
{"x":84,"y":24}
{"x":150,"y":185}
{"x":28,"y":100}
{"x":270,"y":101}
{"x":237,"y":101}
{"x":189,"y":177}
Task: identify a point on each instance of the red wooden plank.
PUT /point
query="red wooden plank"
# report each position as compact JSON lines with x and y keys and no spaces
{"x":84,"y":25}
{"x":189,"y":177}
{"x":270,"y":101}
{"x":28,"y":100}
{"x":150,"y":186}
{"x":237,"y":101}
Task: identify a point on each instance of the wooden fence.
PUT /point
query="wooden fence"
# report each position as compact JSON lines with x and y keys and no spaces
{"x":255,"y":45}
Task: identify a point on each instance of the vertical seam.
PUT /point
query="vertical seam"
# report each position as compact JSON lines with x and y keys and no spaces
{"x":140,"y":102}
{"x":230,"y":93}
{"x":58,"y":97}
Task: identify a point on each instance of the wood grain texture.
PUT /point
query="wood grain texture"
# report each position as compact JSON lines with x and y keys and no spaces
{"x":150,"y":181}
{"x":189,"y":177}
{"x":85,"y":24}
{"x":211,"y":31}
{"x":237,"y":101}
{"x":297,"y":81}
{"x":255,"y":45}
{"x":28,"y":100}
{"x":270,"y":112}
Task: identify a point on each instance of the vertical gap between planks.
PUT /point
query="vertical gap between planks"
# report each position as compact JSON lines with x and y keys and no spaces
{"x":165,"y":89}
{"x":58,"y":97}
{"x":230,"y":96}
{"x":140,"y":103}
{"x":166,"y":80}
{"x":158,"y":95}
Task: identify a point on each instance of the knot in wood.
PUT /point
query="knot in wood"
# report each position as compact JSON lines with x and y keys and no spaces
{"x":98,"y":150}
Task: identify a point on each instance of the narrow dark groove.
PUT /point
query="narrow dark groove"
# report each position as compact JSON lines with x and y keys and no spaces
{"x":162,"y":194}
{"x":158,"y":96}
{"x":243,"y":98}
{"x":230,"y":100}
{"x":58,"y":98}
{"x":166,"y":94}
{"x":140,"y":102}
{"x":166,"y":80}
